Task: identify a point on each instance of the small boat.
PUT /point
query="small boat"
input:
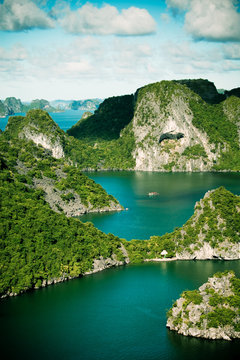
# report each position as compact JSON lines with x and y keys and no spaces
{"x":153,"y":193}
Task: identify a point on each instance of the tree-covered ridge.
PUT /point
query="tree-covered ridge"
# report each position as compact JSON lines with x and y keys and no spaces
{"x":39,"y":246}
{"x":35,"y":120}
{"x":212,"y":311}
{"x":192,"y":107}
{"x":211,"y":232}
{"x":205,"y":89}
{"x":107,"y":122}
{"x":66,"y":188}
{"x":38,"y":126}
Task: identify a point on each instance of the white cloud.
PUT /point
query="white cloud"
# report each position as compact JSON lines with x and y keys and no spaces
{"x":232,"y":51}
{"x":212,"y":20}
{"x":77,"y":67}
{"x":178,"y":4}
{"x":18,"y":15}
{"x":108,"y":20}
{"x":16,"y":53}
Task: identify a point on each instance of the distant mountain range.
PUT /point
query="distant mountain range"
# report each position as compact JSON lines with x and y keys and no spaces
{"x":11,"y":105}
{"x":87,"y":104}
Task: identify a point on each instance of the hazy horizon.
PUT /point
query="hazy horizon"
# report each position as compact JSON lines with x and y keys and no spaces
{"x":93,"y":49}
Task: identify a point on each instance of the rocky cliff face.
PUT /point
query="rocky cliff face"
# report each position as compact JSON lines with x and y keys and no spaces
{"x":213,"y":232}
{"x":102,"y":264}
{"x":163,"y":109}
{"x":183,"y":125}
{"x":211,"y":312}
{"x":48,"y":142}
{"x":39,"y":127}
{"x":13,"y":105}
{"x":72,"y":207}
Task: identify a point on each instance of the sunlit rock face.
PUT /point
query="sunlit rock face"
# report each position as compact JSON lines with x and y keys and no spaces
{"x":163,"y":130}
{"x":211,"y":312}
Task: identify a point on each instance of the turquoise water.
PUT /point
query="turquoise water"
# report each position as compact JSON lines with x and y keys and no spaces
{"x":118,"y":314}
{"x":65,"y":119}
{"x":148,"y":216}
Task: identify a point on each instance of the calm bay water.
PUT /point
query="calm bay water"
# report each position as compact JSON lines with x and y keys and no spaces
{"x":118,"y":314}
{"x":148,"y":216}
{"x":65,"y":119}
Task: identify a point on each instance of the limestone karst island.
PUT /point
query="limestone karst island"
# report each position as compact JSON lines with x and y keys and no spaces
{"x":119,"y":179}
{"x":167,"y":127}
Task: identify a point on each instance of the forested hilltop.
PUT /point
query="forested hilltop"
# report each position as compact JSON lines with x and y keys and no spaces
{"x":183,"y":125}
{"x":211,"y":312}
{"x":41,"y":187}
{"x":33,"y":149}
{"x":40,"y":245}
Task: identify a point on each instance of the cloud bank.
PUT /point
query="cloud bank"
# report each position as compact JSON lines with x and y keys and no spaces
{"x":212,"y":20}
{"x":19,"y":15}
{"x":108,"y":21}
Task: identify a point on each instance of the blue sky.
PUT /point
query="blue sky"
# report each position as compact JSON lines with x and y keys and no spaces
{"x":79,"y":49}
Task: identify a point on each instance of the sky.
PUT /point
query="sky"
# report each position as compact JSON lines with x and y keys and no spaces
{"x":93,"y":49}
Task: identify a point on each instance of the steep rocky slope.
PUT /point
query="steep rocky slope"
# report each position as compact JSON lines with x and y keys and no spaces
{"x":205,"y":89}
{"x":39,"y":246}
{"x":107,"y":122}
{"x":169,"y":108}
{"x":39,"y":127}
{"x":34,"y":147}
{"x":212,"y":232}
{"x":180,"y":125}
{"x":211,"y":312}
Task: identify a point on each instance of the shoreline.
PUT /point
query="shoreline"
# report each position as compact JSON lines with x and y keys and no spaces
{"x":54,"y":281}
{"x":164,"y":259}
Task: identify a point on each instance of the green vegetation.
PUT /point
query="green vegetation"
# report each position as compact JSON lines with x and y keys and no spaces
{"x":38,"y":244}
{"x":192,"y":296}
{"x":194,"y":151}
{"x":205,"y":89}
{"x":30,"y":162}
{"x":36,"y":121}
{"x":220,"y":317}
{"x":40,"y":104}
{"x":108,"y":138}
{"x":87,"y":189}
{"x":212,"y":120}
{"x":215,"y":305}
{"x":107,"y":122}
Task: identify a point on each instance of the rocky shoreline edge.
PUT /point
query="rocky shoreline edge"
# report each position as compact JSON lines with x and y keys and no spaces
{"x":104,"y":264}
{"x":211,"y":312}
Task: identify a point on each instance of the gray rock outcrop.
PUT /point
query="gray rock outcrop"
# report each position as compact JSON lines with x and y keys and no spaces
{"x":158,"y":112}
{"x":212,"y":312}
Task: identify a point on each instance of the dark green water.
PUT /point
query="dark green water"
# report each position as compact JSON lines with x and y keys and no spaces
{"x":117,"y":314}
{"x":155,"y":215}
